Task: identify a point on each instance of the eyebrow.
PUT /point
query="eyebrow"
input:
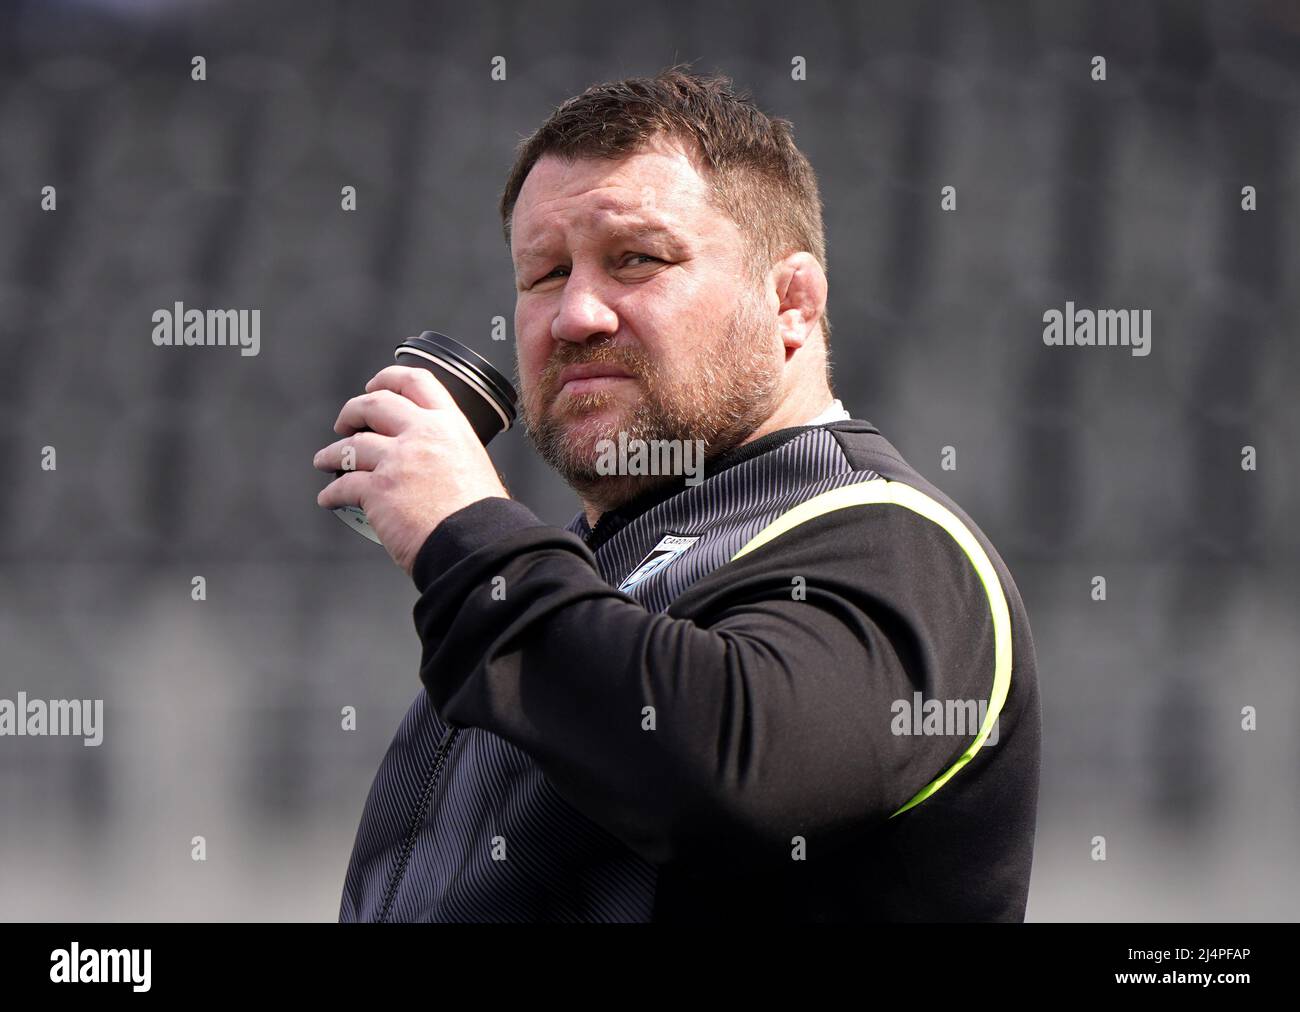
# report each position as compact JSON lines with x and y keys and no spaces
{"x":542,"y":249}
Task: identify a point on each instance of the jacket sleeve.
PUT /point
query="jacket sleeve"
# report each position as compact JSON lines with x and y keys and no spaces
{"x":763,"y":706}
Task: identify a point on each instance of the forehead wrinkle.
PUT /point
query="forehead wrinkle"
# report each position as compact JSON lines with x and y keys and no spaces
{"x":634,"y":230}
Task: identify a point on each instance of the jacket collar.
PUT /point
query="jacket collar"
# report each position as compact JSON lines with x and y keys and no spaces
{"x":611,"y":521}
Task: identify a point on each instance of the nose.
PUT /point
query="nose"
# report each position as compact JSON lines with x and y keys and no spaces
{"x":583,"y":313}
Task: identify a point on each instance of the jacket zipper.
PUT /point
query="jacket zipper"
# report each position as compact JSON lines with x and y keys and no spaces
{"x":431,"y":778}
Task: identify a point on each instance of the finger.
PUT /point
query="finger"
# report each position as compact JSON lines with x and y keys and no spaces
{"x":383,"y":411}
{"x":361,"y":451}
{"x":419,"y":385}
{"x":346,"y":490}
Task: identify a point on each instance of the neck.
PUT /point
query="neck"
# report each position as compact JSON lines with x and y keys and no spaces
{"x":794,"y":410}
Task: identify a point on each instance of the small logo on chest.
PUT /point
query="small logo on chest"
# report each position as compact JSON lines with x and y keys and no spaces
{"x":660,"y":556}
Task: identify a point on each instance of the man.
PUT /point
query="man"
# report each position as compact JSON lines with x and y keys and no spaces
{"x":800,"y":689}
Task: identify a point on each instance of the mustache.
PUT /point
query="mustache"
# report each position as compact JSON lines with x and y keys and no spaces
{"x":636,"y":362}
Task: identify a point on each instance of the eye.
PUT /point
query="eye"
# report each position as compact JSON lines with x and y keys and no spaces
{"x":629,"y":257}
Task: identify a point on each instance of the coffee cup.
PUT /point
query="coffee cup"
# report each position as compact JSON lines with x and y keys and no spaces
{"x":487,"y":399}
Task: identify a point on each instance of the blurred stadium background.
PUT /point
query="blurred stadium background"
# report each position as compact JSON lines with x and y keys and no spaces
{"x":222,"y":717}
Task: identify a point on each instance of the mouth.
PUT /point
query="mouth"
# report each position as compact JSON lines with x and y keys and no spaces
{"x":583,"y":379}
{"x":591,"y":384}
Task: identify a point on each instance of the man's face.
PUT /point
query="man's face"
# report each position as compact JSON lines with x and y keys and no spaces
{"x":624,"y":268}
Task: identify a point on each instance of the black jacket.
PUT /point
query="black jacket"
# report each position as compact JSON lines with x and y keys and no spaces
{"x":776,"y":719}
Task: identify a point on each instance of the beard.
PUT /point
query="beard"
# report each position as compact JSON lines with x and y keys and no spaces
{"x":730,"y":388}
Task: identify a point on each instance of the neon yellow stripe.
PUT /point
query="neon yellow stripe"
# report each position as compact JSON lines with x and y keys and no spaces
{"x":881,"y":490}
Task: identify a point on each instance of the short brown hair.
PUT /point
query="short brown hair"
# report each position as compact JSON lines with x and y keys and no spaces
{"x":755,"y":173}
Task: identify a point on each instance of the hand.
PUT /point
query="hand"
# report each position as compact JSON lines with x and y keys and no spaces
{"x":420,"y":463}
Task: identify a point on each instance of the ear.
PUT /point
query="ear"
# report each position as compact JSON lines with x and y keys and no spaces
{"x":800,"y":286}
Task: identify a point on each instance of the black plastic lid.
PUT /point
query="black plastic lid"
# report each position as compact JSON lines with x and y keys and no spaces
{"x":448,"y":347}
